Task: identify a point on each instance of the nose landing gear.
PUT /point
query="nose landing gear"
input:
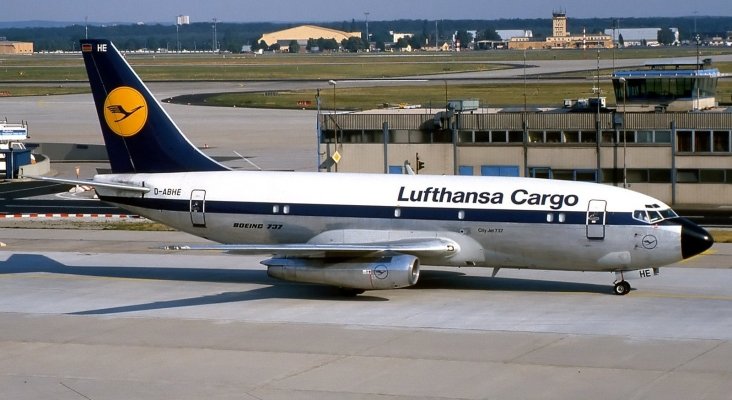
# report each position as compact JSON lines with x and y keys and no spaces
{"x":622,"y":287}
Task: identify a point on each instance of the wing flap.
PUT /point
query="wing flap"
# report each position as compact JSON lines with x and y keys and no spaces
{"x":419,"y":247}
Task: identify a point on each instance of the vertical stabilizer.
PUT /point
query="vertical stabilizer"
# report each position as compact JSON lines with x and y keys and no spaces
{"x":139,"y":134}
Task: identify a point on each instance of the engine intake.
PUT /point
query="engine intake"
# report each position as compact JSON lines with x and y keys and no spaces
{"x":388,"y":272}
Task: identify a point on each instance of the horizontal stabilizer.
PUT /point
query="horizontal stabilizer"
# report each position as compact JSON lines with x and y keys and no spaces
{"x":87,"y":182}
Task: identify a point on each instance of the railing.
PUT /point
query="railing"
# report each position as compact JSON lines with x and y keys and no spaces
{"x":514,"y":121}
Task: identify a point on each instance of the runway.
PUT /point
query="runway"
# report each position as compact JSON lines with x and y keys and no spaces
{"x":105,"y":314}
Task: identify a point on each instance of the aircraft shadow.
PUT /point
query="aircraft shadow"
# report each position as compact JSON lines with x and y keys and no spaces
{"x":461,"y":281}
{"x":29,"y":263}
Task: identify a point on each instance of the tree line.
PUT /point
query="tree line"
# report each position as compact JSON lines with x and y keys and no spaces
{"x":232,"y":36}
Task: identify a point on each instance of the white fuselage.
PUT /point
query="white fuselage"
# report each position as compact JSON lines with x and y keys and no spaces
{"x":497,"y":222}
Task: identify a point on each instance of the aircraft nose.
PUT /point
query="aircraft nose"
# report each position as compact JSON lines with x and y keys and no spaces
{"x":694,"y":239}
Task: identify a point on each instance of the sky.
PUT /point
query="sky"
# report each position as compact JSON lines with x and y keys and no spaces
{"x":148,"y":11}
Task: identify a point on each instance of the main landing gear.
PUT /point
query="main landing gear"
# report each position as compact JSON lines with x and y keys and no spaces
{"x":622,"y":287}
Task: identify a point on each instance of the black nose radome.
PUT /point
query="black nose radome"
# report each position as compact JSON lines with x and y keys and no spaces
{"x":694,"y":239}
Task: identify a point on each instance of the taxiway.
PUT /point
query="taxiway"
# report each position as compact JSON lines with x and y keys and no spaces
{"x":106,"y":314}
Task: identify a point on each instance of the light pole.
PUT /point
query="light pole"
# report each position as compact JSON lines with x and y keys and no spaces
{"x":333,"y":83}
{"x":368,"y":42}
{"x":318,"y":130}
{"x":214,"y":45}
{"x":625,"y":141}
{"x":524,"y":81}
{"x":696,"y":81}
{"x":335,"y":126}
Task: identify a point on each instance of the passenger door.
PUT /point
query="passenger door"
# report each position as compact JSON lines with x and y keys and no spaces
{"x":596,"y":219}
{"x":198,"y":208}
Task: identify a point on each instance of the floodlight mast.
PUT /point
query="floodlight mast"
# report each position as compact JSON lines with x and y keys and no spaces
{"x":625,"y":140}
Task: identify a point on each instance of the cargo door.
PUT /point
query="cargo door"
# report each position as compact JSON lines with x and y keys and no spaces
{"x":198,"y":208}
{"x":596,"y":219}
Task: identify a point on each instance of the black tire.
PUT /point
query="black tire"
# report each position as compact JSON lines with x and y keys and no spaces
{"x":622,"y":288}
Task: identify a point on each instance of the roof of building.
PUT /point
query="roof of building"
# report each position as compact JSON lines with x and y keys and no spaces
{"x":507,"y":34}
{"x":637,"y":34}
{"x":668,"y":73}
{"x":305,"y":32}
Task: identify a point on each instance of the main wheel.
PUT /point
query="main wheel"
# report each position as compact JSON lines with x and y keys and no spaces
{"x":622,"y":288}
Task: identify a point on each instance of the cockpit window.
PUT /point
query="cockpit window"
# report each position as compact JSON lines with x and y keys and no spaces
{"x":669,"y":213}
{"x":640,"y":215}
{"x":653,"y":215}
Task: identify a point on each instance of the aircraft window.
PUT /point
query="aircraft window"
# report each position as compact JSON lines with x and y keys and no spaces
{"x":275,"y":209}
{"x":655,"y":216}
{"x":397,"y":212}
{"x":550,"y":217}
{"x":286,"y":209}
{"x":640,"y":215}
{"x":461,"y":214}
{"x":668,"y":213}
{"x":562,"y":217}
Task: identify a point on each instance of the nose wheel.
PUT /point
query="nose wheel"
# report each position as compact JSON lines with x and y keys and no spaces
{"x":622,"y":288}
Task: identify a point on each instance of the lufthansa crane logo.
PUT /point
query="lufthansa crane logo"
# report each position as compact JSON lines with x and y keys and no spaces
{"x":649,"y":242}
{"x":381,"y":272}
{"x":125,"y":111}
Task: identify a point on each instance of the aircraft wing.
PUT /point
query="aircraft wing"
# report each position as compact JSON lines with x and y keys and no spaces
{"x":85,"y":182}
{"x":419,"y":247}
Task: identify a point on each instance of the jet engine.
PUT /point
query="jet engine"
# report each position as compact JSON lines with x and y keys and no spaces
{"x":387,"y":272}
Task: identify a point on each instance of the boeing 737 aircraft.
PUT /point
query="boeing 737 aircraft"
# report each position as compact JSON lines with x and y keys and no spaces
{"x":369,"y":231}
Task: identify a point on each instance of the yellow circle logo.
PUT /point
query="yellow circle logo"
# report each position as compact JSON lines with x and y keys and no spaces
{"x":125,"y":111}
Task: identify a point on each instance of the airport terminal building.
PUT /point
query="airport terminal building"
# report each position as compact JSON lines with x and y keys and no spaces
{"x":680,"y":158}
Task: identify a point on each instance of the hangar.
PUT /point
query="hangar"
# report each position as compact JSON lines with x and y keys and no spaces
{"x":12,"y":47}
{"x":302,"y":33}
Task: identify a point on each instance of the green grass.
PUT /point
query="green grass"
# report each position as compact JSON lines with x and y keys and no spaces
{"x":21,"y":90}
{"x":70,"y":67}
{"x":143,"y":226}
{"x":62,"y":69}
{"x":426,"y":95}
{"x":210,"y":67}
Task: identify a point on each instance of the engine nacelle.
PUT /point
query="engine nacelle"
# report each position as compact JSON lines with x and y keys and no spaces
{"x":387,"y":272}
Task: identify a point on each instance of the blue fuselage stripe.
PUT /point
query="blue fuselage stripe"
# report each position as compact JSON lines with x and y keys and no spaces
{"x":382,"y":212}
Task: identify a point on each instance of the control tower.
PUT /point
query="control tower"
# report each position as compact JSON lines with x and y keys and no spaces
{"x":559,"y":24}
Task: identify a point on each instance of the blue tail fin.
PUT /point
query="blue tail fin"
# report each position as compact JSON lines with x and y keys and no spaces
{"x":138,"y":133}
